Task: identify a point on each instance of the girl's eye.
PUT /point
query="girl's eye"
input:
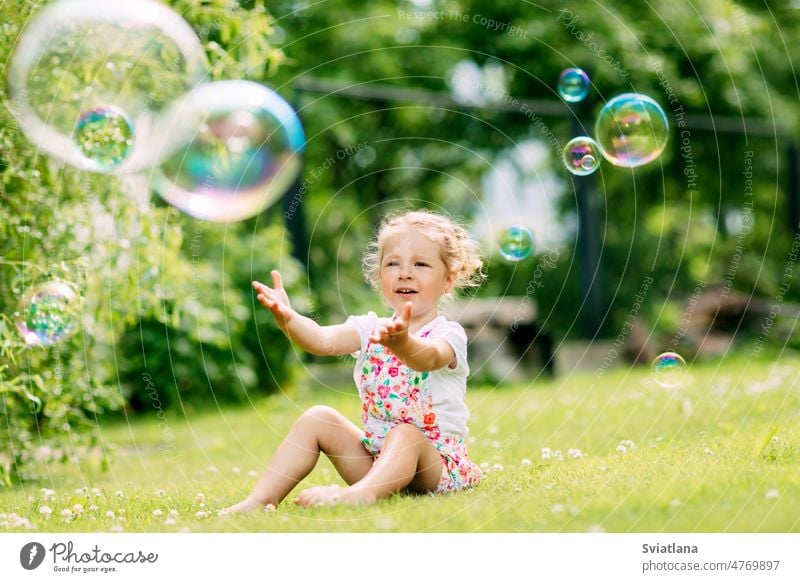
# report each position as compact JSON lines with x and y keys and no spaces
{"x":419,"y":264}
{"x":391,"y":264}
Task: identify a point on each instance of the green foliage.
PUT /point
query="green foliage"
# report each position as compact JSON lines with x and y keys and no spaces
{"x":709,"y":66}
{"x":159,"y":300}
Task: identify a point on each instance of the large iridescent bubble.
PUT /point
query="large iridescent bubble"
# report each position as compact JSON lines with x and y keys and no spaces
{"x":245,"y":154}
{"x":90,"y":80}
{"x":48,"y":313}
{"x":631,"y":130}
{"x":573,"y":85}
{"x":516,"y":243}
{"x":581,"y":156}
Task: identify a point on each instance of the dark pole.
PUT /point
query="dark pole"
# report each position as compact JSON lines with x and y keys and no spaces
{"x":588,"y":244}
{"x":293,"y":216}
{"x":793,"y":191}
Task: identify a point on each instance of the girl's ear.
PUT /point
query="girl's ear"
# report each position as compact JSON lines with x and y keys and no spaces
{"x":449,"y":282}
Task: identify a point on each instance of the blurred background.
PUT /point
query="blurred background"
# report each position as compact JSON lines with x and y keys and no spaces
{"x":447,"y":105}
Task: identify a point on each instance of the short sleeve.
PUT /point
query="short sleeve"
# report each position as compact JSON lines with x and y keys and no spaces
{"x":364,"y":324}
{"x":454,"y":334}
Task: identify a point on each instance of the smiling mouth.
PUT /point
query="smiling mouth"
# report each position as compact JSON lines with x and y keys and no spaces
{"x":406,"y":292}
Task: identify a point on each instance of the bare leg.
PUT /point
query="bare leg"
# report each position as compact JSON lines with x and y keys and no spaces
{"x":319,"y":429}
{"x":408,"y":460}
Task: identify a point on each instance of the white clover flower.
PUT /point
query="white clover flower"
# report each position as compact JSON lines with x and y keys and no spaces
{"x":484,"y":465}
{"x":212,"y":469}
{"x":526,"y":462}
{"x":96,"y":492}
{"x":628,"y":443}
{"x":557,"y":508}
{"x":173,"y":513}
{"x":546,"y":453}
{"x":48,"y":494}
{"x":498,"y":467}
{"x":575,"y":453}
{"x":45,"y":511}
{"x":77,"y":508}
{"x":157,"y":513}
{"x":772,"y":494}
{"x":119,"y":493}
{"x":269,"y":507}
{"x":493,"y":429}
{"x":66,"y":513}
{"x":110,"y":514}
{"x":252,"y":473}
{"x":708,"y":451}
{"x":201,"y":514}
{"x":236,"y":470}
{"x":93,"y":507}
{"x":161,"y":493}
{"x":622,"y":449}
{"x":117,"y":529}
{"x":200,"y":498}
{"x":170,"y":521}
{"x":558,"y":455}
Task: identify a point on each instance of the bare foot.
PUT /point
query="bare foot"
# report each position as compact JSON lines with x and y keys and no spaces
{"x":247,"y":505}
{"x":333,"y":495}
{"x":330,"y":495}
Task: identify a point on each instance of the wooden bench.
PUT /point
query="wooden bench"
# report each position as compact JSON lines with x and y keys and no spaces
{"x":504,"y":340}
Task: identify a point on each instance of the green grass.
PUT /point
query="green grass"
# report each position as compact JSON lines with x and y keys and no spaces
{"x":718,"y":455}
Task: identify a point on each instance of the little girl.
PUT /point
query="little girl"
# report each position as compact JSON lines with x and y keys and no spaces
{"x":411,"y":371}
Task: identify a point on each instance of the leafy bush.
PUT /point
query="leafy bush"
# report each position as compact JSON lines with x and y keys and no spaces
{"x":156,"y":301}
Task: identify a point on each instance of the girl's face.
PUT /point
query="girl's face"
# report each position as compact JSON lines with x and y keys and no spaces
{"x":412,"y":270}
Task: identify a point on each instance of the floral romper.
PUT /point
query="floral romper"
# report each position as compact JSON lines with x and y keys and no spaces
{"x":392,"y":393}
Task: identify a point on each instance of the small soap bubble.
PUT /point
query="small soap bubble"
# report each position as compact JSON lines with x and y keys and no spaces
{"x":246,"y":152}
{"x":573,"y":85}
{"x":91,"y":81}
{"x":581,"y":156}
{"x":516,"y":243}
{"x":669,"y":370}
{"x":631,"y":130}
{"x":50,"y":312}
{"x":104,"y":135}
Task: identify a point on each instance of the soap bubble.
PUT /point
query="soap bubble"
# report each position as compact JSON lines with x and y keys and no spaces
{"x":245,"y":154}
{"x":581,"y":156}
{"x":48,"y":313}
{"x":631,"y":130}
{"x":104,"y":135}
{"x":669,"y":370}
{"x":516,"y":243}
{"x":573,"y":85}
{"x":107,"y":69}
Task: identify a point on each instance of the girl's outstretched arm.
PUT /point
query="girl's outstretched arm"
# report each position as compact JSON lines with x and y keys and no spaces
{"x":330,"y":340}
{"x":419,"y":354}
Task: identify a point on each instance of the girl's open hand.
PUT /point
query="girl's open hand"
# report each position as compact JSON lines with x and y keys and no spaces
{"x":395,"y":332}
{"x":275,"y":299}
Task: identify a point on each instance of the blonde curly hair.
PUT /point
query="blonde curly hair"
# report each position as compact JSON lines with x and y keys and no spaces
{"x":460,"y":253}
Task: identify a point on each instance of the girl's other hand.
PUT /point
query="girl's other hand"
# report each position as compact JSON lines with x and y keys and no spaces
{"x":275,"y":299}
{"x":394,"y":332}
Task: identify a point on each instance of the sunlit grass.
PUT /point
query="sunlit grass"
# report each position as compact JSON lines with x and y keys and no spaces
{"x":579,"y":453}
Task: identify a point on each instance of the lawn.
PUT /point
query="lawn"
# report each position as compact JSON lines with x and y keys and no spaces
{"x":575,"y":454}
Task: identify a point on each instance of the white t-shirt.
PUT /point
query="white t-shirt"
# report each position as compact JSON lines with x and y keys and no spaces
{"x":448,"y":386}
